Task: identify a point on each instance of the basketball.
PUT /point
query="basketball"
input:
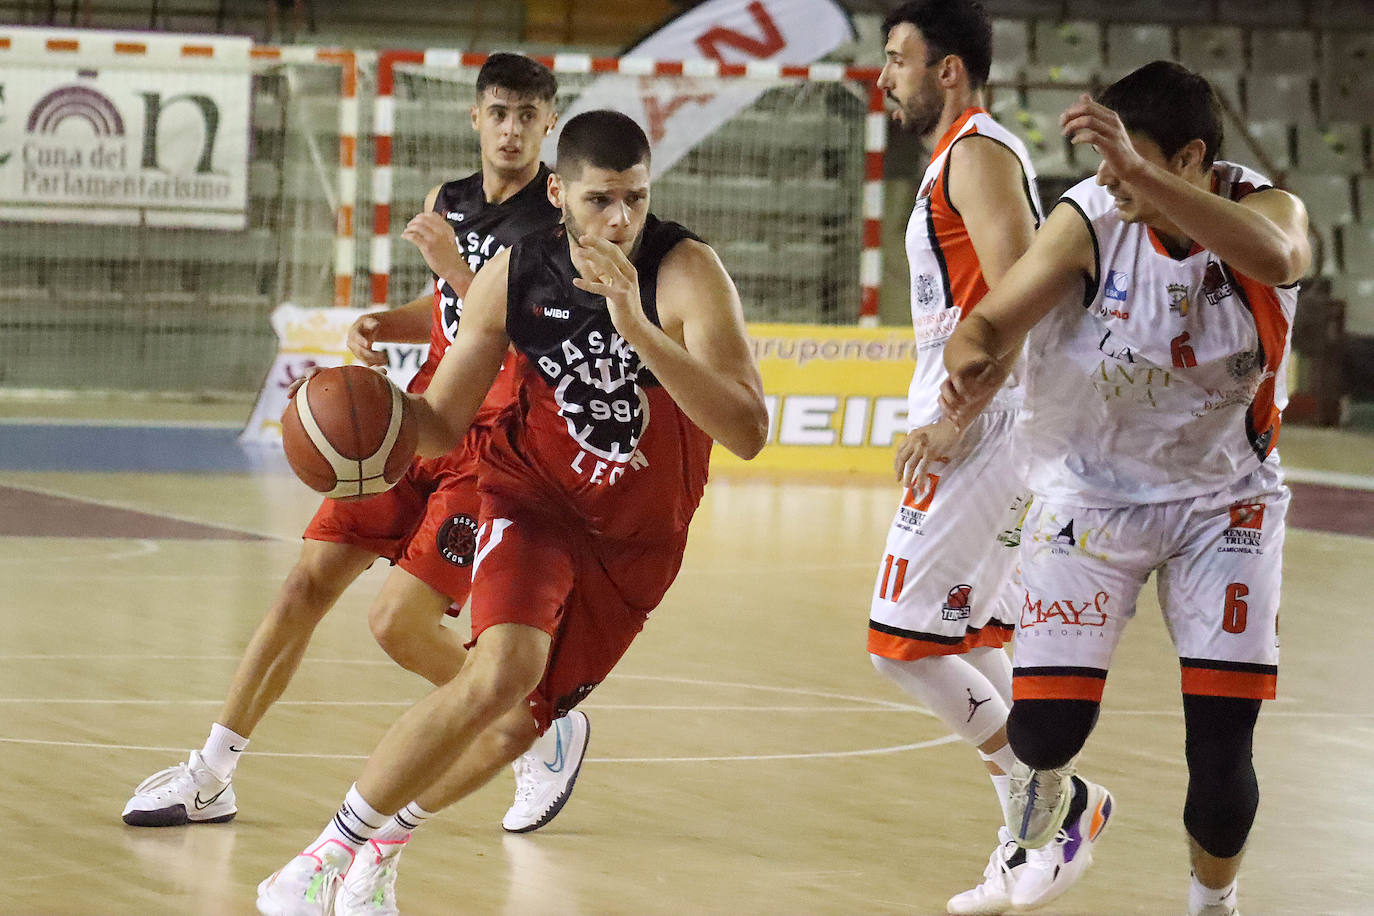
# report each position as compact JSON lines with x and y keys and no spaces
{"x":348,"y":433}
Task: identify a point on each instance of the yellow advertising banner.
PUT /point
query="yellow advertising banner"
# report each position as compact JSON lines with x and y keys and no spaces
{"x":836,"y":397}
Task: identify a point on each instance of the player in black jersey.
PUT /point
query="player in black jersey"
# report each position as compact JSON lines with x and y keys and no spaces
{"x":633,"y":358}
{"x":421,"y":524}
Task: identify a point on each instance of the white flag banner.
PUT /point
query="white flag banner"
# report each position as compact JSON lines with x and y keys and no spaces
{"x":679,"y":112}
{"x":310,"y":338}
{"x":125,"y":142}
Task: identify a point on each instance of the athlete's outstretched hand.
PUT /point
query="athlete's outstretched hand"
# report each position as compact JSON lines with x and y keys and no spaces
{"x":1086,"y":121}
{"x":605,"y":271}
{"x":922,"y":447}
{"x":432,"y":234}
{"x":362,"y":334}
{"x":968,"y":390}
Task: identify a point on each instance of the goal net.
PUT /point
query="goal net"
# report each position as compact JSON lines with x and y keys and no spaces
{"x":768,"y":168}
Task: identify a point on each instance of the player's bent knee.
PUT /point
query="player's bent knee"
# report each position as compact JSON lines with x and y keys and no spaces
{"x":1045,"y":734}
{"x":1223,"y":791}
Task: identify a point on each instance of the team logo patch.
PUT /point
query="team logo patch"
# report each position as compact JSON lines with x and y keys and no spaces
{"x":1117,"y":285}
{"x":1178,"y":298}
{"x":1215,"y":286}
{"x":916,"y":505}
{"x":1245,"y":534}
{"x":958,"y":603}
{"x":457,"y":540}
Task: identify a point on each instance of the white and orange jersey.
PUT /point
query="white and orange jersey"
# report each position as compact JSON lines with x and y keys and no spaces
{"x":946,"y":278}
{"x":1165,"y":381}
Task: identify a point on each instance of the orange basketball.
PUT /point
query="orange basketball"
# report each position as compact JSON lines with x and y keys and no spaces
{"x":349,"y":433}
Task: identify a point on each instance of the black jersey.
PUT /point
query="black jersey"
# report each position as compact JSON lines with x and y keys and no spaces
{"x":591,"y":429}
{"x":482,"y":229}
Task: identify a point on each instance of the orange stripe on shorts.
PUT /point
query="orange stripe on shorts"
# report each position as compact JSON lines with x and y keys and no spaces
{"x":1209,"y":682}
{"x":1057,"y":687}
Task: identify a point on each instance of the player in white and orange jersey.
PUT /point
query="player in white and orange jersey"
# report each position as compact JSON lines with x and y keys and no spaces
{"x":1159,"y":301}
{"x":943,"y":604}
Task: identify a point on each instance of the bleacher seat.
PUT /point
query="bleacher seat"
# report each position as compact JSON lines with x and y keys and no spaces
{"x":1010,"y":49}
{"x":1364,"y":198}
{"x":1283,"y":51}
{"x":1324,"y":260}
{"x":1327,"y":197}
{"x":1338,"y":147}
{"x":1038,"y":127}
{"x":1339,"y":14}
{"x":1066,"y":51}
{"x":1251,"y":13}
{"x":1358,"y":293}
{"x":1280,"y":95}
{"x":1212,"y":49}
{"x":1132,"y":46}
{"x":1357,"y":249}
{"x":1275,"y":140}
{"x":1349,"y":95}
{"x":1138,"y":11}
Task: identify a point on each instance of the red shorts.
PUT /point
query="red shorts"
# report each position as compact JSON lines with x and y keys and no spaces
{"x":426,"y":523}
{"x":591,"y":595}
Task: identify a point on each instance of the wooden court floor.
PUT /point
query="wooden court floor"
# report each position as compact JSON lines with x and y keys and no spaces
{"x":744,"y":758}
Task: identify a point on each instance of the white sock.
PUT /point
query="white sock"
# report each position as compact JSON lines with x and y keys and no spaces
{"x":352,"y":825}
{"x":222,"y":750}
{"x":403,"y":824}
{"x":957,"y":692}
{"x":1200,"y":895}
{"x":1002,"y":786}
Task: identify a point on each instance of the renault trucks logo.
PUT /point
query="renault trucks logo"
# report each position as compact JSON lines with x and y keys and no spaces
{"x":916,"y":505}
{"x":1245,"y":534}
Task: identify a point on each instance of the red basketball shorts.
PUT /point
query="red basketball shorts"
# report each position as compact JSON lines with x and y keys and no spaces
{"x":591,"y":595}
{"x":426,"y":523}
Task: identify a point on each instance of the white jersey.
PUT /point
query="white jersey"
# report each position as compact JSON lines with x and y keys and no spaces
{"x":1166,"y":381}
{"x":946,"y":278}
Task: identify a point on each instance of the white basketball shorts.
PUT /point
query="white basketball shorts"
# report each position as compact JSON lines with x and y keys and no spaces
{"x":946,"y":581}
{"x":1217,"y":559}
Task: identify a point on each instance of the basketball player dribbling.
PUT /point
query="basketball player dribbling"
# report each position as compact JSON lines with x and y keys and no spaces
{"x":426,"y":525}
{"x":1159,"y":301}
{"x":632,"y":358}
{"x":946,"y":599}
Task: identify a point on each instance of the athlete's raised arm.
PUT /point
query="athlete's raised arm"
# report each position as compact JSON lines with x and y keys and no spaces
{"x":470,"y":365}
{"x":1059,"y":260}
{"x":701,"y":355}
{"x":1264,"y":235}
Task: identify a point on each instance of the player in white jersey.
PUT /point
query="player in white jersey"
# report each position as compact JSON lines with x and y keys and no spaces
{"x":1159,"y":303}
{"x":940,"y":611}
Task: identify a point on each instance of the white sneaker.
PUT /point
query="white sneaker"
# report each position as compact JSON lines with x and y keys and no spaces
{"x":1039,"y":803}
{"x":542,"y":786}
{"x":188,"y":793}
{"x":1054,"y":868}
{"x":308,"y":884}
{"x":993,"y":896}
{"x":369,"y":888}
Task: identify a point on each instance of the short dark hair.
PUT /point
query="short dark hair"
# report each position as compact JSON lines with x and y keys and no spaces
{"x":959,"y":27}
{"x":603,"y":139}
{"x":1171,"y":105}
{"x":519,"y":74}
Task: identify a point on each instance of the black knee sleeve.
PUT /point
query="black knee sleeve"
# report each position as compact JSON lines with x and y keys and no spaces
{"x":1045,"y":734}
{"x":1223,"y":792}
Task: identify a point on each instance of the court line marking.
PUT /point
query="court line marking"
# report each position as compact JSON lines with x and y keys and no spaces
{"x":121,"y":424}
{"x":1329,"y":478}
{"x":158,"y":513}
